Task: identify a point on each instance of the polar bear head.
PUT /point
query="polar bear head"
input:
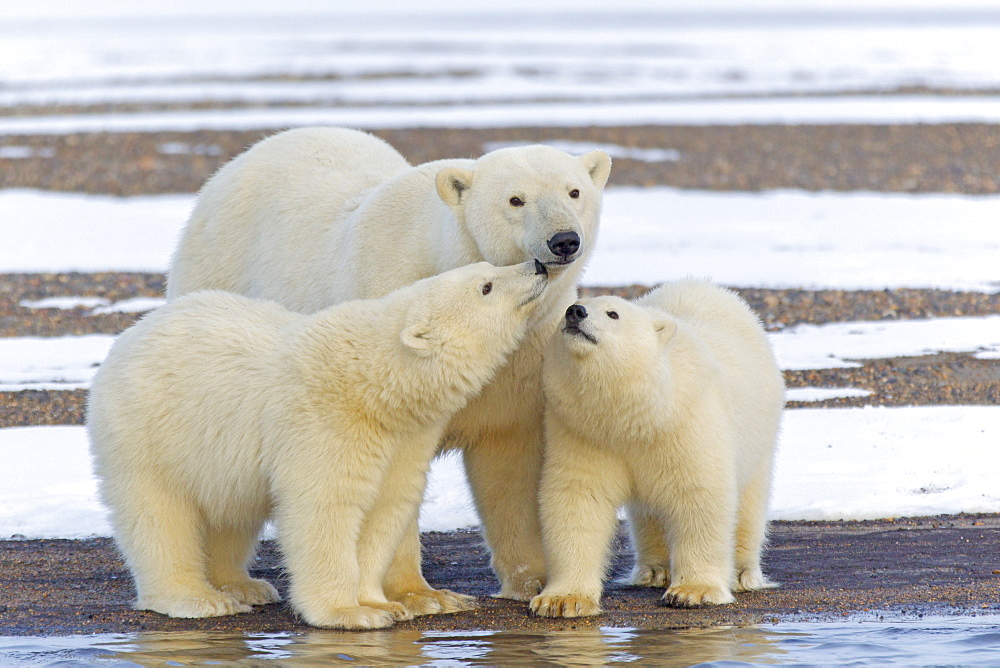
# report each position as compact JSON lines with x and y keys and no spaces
{"x":605,"y":368}
{"x":608,"y":340}
{"x":476,"y":314}
{"x":529,"y":203}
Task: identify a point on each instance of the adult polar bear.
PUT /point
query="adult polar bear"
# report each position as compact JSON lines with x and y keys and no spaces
{"x":314,"y":216}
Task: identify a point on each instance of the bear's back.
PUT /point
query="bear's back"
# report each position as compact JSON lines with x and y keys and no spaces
{"x":732,"y":333}
{"x":196,"y":343}
{"x":717,"y":315}
{"x":273,"y":207}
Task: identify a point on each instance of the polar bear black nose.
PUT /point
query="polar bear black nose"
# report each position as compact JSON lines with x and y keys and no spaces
{"x":575,"y":314}
{"x":564,"y":244}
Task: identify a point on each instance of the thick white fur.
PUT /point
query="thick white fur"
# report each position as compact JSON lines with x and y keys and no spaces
{"x":672,"y":409}
{"x":217,"y":411}
{"x":315,"y":216}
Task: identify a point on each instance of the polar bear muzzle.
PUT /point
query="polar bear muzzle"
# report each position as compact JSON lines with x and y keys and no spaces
{"x":540,"y":285}
{"x":564,"y":245}
{"x":575,"y":315}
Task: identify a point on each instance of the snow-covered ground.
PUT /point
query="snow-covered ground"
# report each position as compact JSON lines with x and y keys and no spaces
{"x":775,"y":239}
{"x":364,"y":63}
{"x":845,"y":463}
{"x":69,"y":362}
{"x":649,"y":49}
{"x":842,"y":463}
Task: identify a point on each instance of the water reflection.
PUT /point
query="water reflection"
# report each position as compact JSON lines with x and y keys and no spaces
{"x":961,"y":640}
{"x":583,"y":647}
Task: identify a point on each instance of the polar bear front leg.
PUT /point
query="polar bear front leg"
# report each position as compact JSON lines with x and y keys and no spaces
{"x":503,"y":470}
{"x":390,"y":521}
{"x":405,"y":583}
{"x":700,"y":523}
{"x":322,"y":562}
{"x":649,"y":541}
{"x":319,"y":513}
{"x":581,"y":490}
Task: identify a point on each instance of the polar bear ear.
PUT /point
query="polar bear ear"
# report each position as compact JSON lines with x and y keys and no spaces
{"x":417,"y":337}
{"x":665,"y":329}
{"x":452,"y":184}
{"x":598,"y":165}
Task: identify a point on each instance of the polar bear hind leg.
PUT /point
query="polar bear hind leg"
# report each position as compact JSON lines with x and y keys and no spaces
{"x":649,"y":542}
{"x":229,"y":550}
{"x":162,"y":542}
{"x":507,"y":506}
{"x":751,"y":532}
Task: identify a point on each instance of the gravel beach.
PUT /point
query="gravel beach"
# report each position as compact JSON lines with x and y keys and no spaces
{"x":900,"y":567}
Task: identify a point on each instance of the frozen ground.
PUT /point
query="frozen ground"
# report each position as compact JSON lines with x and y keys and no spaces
{"x":849,"y":109}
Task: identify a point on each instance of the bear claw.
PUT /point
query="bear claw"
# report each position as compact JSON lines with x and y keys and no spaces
{"x":692,"y":596}
{"x":436,"y":602}
{"x":564,"y":606}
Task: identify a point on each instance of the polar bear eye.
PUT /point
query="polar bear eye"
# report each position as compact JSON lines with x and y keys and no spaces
{"x":488,"y":288}
{"x":516,"y":201}
{"x":613,"y":315}
{"x":574,"y":193}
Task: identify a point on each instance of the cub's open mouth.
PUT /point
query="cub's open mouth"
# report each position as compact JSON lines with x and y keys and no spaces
{"x":573,"y":330}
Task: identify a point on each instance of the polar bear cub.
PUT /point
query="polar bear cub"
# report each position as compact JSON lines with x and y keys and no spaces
{"x":669,"y":405}
{"x":217,"y":412}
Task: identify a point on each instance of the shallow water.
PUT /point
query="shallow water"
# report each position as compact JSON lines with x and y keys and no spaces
{"x":965,"y":641}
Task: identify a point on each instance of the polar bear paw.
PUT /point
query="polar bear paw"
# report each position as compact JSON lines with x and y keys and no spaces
{"x":569,"y":605}
{"x":693,"y":596}
{"x":753,"y":579}
{"x":649,"y":575}
{"x":209,"y":603}
{"x":522,"y":586}
{"x":252,"y":592}
{"x":435,"y":602}
{"x":360,"y":617}
{"x":397,"y":610}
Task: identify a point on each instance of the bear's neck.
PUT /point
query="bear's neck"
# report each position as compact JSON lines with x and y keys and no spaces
{"x":614,"y":403}
{"x":358,"y":363}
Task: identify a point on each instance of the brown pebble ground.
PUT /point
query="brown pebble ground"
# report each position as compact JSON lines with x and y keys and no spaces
{"x":896,"y":568}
